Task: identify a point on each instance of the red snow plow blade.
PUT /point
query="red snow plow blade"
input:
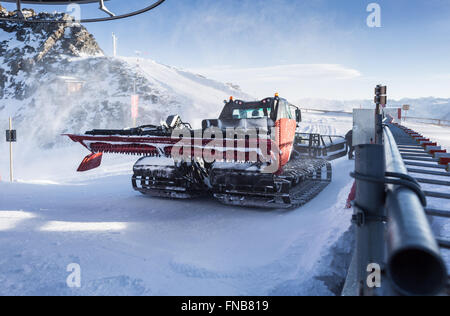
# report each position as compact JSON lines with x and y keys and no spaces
{"x":164,"y":146}
{"x":90,"y":162}
{"x":124,"y":144}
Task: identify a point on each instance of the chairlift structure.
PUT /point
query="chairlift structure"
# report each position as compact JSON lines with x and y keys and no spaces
{"x":19,"y":17}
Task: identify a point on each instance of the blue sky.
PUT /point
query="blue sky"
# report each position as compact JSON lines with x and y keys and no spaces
{"x":304,"y":48}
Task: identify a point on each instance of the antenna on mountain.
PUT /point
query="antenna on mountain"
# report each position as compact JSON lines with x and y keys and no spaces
{"x":114,"y":38}
{"x":19,"y":10}
{"x":138,"y":55}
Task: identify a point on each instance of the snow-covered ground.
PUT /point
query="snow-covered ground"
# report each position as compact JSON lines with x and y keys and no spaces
{"x":130,"y":244}
{"x":126,"y":243}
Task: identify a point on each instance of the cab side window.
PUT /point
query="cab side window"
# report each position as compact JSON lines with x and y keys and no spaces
{"x":293,"y":111}
{"x":284,"y":110}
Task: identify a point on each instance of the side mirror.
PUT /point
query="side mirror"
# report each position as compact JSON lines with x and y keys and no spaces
{"x":298,"y":115}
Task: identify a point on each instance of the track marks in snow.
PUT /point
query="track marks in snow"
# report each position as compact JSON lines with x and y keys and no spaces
{"x":168,"y":247}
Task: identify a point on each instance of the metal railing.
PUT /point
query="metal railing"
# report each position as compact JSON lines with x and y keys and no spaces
{"x":392,"y":229}
{"x":316,"y":145}
{"x":326,"y":111}
{"x":424,"y":120}
{"x":427,"y":120}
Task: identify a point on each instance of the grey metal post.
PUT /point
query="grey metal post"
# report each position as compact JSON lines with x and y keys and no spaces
{"x":19,"y":9}
{"x":369,"y":211}
{"x":379,"y":128}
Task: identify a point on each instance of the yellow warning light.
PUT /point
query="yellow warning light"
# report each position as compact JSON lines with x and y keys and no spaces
{"x":231,"y":98}
{"x":276,"y":95}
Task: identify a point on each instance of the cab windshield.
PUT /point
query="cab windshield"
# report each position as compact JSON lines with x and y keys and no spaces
{"x":255,"y":113}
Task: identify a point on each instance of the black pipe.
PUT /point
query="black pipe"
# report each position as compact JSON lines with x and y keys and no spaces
{"x":414,"y":264}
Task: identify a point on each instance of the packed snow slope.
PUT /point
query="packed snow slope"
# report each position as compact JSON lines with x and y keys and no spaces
{"x":129,"y":244}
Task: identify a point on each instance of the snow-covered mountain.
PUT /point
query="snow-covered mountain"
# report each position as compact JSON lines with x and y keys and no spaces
{"x":54,"y":78}
{"x":430,"y":107}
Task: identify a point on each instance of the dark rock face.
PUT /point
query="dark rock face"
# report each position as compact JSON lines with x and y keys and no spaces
{"x":56,"y":79}
{"x":29,"y":48}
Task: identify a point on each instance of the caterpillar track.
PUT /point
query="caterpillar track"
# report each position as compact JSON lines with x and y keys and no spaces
{"x":302,"y":179}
